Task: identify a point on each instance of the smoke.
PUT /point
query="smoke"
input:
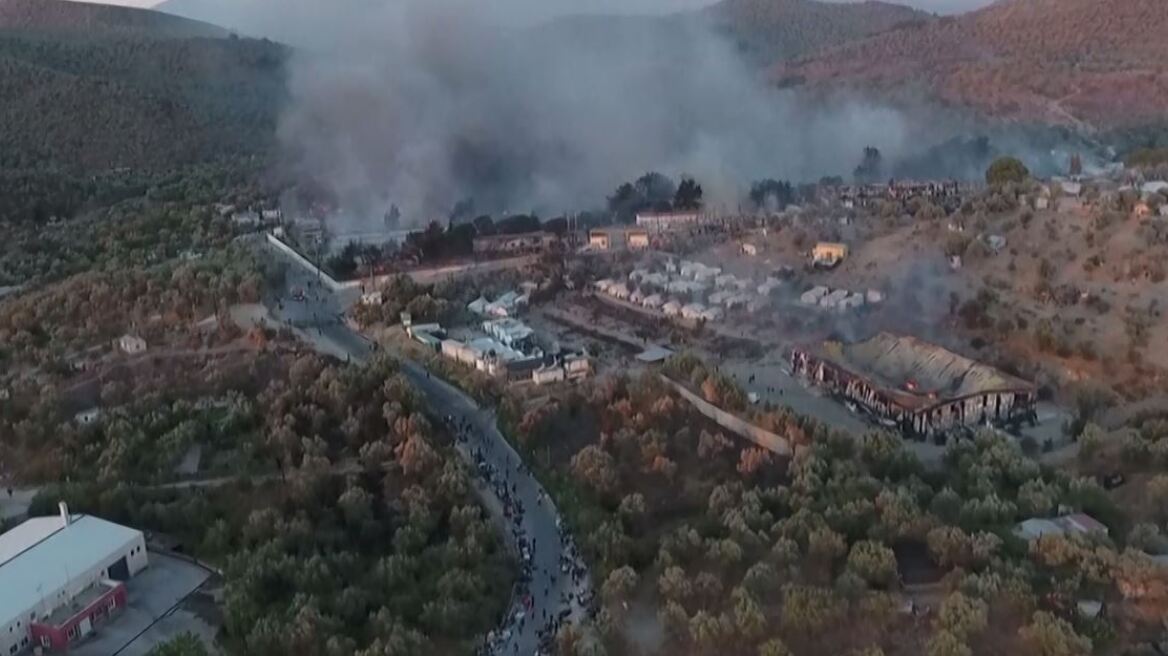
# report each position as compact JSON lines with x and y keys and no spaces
{"x":424,"y":103}
{"x":522,"y":108}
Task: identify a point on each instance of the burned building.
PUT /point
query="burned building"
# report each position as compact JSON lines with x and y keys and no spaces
{"x":919,"y":387}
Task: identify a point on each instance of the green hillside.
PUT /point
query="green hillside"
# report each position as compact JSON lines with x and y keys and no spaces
{"x":121,"y":103}
{"x":83,"y":17}
{"x":775,"y":30}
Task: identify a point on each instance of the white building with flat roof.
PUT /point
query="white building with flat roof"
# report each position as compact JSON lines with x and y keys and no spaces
{"x":132,"y":344}
{"x":61,"y":576}
{"x":668,"y":220}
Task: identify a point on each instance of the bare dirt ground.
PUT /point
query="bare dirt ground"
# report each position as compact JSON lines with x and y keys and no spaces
{"x":1088,"y":275}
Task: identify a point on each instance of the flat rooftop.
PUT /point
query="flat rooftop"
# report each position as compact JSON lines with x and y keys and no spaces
{"x":26,"y":535}
{"x":917,"y":372}
{"x":488,"y":345}
{"x":40,"y":557}
{"x":77,"y":604}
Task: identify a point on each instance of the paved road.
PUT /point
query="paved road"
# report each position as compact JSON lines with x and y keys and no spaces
{"x":534,"y":530}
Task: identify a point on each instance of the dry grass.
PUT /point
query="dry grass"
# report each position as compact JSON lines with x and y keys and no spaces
{"x":1065,"y":61}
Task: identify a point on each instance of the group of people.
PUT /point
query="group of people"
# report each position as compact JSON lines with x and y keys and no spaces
{"x":536,"y":601}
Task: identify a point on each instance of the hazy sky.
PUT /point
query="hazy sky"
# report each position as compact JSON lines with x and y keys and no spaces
{"x":940,"y":6}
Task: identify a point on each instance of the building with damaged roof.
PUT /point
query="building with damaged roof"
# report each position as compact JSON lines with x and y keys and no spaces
{"x":919,"y":387}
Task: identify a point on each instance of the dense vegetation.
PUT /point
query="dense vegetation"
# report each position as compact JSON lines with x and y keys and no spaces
{"x":1005,"y":171}
{"x":162,"y":302}
{"x":183,"y":645}
{"x":1044,"y":61}
{"x":75,"y":17}
{"x":356,"y":531}
{"x":98,"y":108}
{"x":771,"y":31}
{"x":138,"y":233}
{"x":734,"y":550}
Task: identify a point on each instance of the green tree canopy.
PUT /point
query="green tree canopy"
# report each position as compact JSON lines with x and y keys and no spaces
{"x":1005,"y":170}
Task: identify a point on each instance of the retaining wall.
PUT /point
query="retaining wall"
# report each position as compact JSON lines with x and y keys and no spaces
{"x":731,"y":422}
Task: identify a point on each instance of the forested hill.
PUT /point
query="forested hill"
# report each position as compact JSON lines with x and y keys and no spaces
{"x":1069,"y":62}
{"x":97,"y":103}
{"x":90,"y":92}
{"x":776,"y":30}
{"x":67,"y":16}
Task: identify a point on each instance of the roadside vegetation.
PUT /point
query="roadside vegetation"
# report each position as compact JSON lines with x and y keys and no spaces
{"x":345,"y":525}
{"x":702,"y":543}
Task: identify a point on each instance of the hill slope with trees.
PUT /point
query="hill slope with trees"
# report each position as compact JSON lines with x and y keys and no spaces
{"x":1071,"y":62}
{"x":83,"y":17}
{"x":97,"y":93}
{"x":774,"y":30}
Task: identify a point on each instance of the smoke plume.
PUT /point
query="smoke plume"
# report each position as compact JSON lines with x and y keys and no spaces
{"x":424,"y":103}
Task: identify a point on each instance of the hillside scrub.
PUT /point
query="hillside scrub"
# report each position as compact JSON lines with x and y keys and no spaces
{"x":742,"y":560}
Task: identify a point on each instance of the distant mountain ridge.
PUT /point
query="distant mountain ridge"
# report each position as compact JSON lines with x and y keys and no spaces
{"x":1084,"y":63}
{"x":766,"y":30}
{"x":64,"y":16}
{"x":775,"y":30}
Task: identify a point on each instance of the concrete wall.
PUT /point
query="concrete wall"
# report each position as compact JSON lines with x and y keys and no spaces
{"x":300,"y":259}
{"x":15,"y":636}
{"x":731,"y":422}
{"x":420,"y":276}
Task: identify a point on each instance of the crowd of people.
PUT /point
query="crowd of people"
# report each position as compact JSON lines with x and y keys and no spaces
{"x":541,"y":603}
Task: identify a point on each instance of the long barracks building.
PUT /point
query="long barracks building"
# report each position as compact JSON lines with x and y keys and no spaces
{"x":921,"y":388}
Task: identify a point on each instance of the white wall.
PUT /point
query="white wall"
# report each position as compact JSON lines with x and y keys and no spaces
{"x":10,"y":636}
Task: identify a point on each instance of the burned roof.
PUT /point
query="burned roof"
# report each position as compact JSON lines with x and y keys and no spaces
{"x":916,"y":372}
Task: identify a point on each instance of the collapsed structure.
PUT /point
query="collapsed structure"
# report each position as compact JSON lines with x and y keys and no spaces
{"x":919,"y":387}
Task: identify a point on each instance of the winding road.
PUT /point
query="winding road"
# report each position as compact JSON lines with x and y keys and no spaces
{"x":553,"y":593}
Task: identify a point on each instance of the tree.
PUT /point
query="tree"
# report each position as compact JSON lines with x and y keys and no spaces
{"x":632,"y":506}
{"x":356,"y":504}
{"x":705,"y":630}
{"x":725,"y":552}
{"x":688,"y":195}
{"x":951,"y":547}
{"x":619,"y":585}
{"x":871,"y":167}
{"x":1006,"y":170}
{"x":674,"y":585}
{"x":416,"y":456}
{"x":752,"y":459}
{"x":773,"y":647}
{"x":1037,"y":498}
{"x":873,"y":562}
{"x":826,"y":545}
{"x":761,"y":579}
{"x":944,"y":643}
{"x":595,"y":467}
{"x":749,"y":621}
{"x":674,"y":621}
{"x":809,"y":609}
{"x":1157,"y":494}
{"x":652,"y":191}
{"x":185,"y":644}
{"x":963,"y":616}
{"x":1047,"y":635}
{"x":771,"y":195}
{"x":657,"y":191}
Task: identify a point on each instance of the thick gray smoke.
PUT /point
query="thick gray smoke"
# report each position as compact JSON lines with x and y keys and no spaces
{"x":431,"y":101}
